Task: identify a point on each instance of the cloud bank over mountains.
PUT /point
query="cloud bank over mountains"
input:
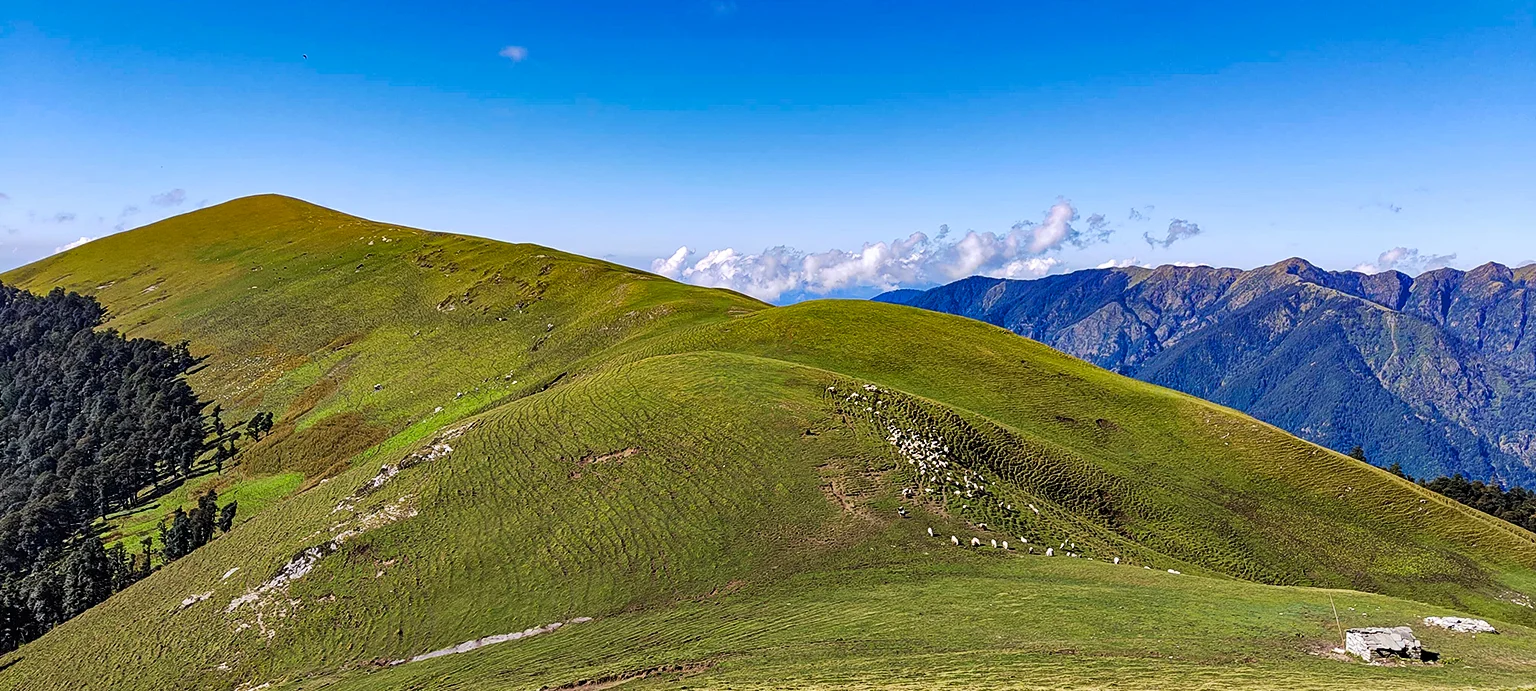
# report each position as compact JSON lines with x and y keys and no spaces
{"x":1407,"y":260}
{"x":1027,"y":250}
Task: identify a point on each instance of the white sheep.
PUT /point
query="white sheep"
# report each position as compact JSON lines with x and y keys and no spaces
{"x":954,"y":540}
{"x":1049,"y":552}
{"x":1005,"y":545}
{"x":975,"y":542}
{"x":1117,"y":560}
{"x":930,"y":532}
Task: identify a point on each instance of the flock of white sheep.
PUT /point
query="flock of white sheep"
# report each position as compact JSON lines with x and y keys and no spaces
{"x":938,"y":476}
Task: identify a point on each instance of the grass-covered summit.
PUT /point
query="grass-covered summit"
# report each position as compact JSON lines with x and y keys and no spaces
{"x":495,"y":438}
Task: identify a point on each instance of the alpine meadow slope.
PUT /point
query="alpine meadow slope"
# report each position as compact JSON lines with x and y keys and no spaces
{"x":495,"y":438}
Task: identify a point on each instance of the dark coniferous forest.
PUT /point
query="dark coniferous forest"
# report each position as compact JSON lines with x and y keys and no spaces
{"x":1516,"y":505}
{"x":88,"y":420}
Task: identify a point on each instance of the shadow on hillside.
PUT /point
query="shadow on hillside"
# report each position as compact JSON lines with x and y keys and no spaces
{"x":147,"y":501}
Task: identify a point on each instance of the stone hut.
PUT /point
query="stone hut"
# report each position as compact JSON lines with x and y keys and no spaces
{"x":1375,"y":643}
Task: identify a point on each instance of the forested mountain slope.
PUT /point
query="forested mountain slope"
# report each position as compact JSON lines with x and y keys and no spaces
{"x":1436,"y":373}
{"x":500,"y":438}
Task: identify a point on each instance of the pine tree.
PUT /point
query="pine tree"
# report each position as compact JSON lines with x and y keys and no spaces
{"x":123,"y":572}
{"x":203,"y":519}
{"x":1358,"y":454}
{"x":17,"y":625}
{"x":174,"y":536}
{"x":144,"y":563}
{"x":45,"y":597}
{"x":259,"y":425}
{"x":227,"y":517}
{"x":87,"y":577}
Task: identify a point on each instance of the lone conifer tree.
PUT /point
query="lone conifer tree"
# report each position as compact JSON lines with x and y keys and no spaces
{"x":174,"y":532}
{"x":227,"y":517}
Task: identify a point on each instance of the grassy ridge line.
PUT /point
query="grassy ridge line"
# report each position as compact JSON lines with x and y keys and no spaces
{"x":289,"y":295}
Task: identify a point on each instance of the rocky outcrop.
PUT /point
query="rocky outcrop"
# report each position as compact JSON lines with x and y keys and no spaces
{"x":1436,"y":373}
{"x":1461,"y":624}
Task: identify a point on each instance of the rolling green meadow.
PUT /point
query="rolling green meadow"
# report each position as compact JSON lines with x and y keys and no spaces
{"x":477,"y":438}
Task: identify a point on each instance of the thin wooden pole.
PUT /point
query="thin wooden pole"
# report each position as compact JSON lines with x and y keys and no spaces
{"x":1342,"y":640}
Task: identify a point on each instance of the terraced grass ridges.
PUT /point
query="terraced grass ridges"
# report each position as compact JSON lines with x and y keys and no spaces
{"x":496,"y":437}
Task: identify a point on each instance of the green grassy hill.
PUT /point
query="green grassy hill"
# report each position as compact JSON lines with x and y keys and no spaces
{"x":705,"y":490}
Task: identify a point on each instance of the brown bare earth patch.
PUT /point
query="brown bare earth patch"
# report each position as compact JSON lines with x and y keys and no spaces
{"x":311,"y":397}
{"x":318,"y":451}
{"x":730,"y":587}
{"x":344,"y":340}
{"x":850,"y":489}
{"x":676,"y":672}
{"x":613,"y":457}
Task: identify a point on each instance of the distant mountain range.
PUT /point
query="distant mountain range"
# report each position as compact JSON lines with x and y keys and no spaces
{"x":1437,"y":373}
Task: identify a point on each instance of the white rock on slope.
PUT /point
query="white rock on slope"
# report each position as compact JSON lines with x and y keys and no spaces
{"x":1460,"y":625}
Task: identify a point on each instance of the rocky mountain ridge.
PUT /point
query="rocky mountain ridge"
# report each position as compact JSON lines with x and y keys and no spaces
{"x":1435,"y":372}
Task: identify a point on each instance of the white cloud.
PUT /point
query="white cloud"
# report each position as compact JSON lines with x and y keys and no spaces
{"x":514,"y":53}
{"x":72,"y":245}
{"x":1178,"y":229}
{"x":60,"y":217}
{"x":1119,"y":263}
{"x":123,"y":216}
{"x":1034,"y":267}
{"x":916,"y":260}
{"x":172,"y":198}
{"x":1407,"y":260}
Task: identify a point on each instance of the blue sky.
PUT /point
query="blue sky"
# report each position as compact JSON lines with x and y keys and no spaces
{"x":1335,"y":131}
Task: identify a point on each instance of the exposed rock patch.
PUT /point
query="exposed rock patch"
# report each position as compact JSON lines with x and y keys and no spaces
{"x":478,"y":643}
{"x":1460,"y":625}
